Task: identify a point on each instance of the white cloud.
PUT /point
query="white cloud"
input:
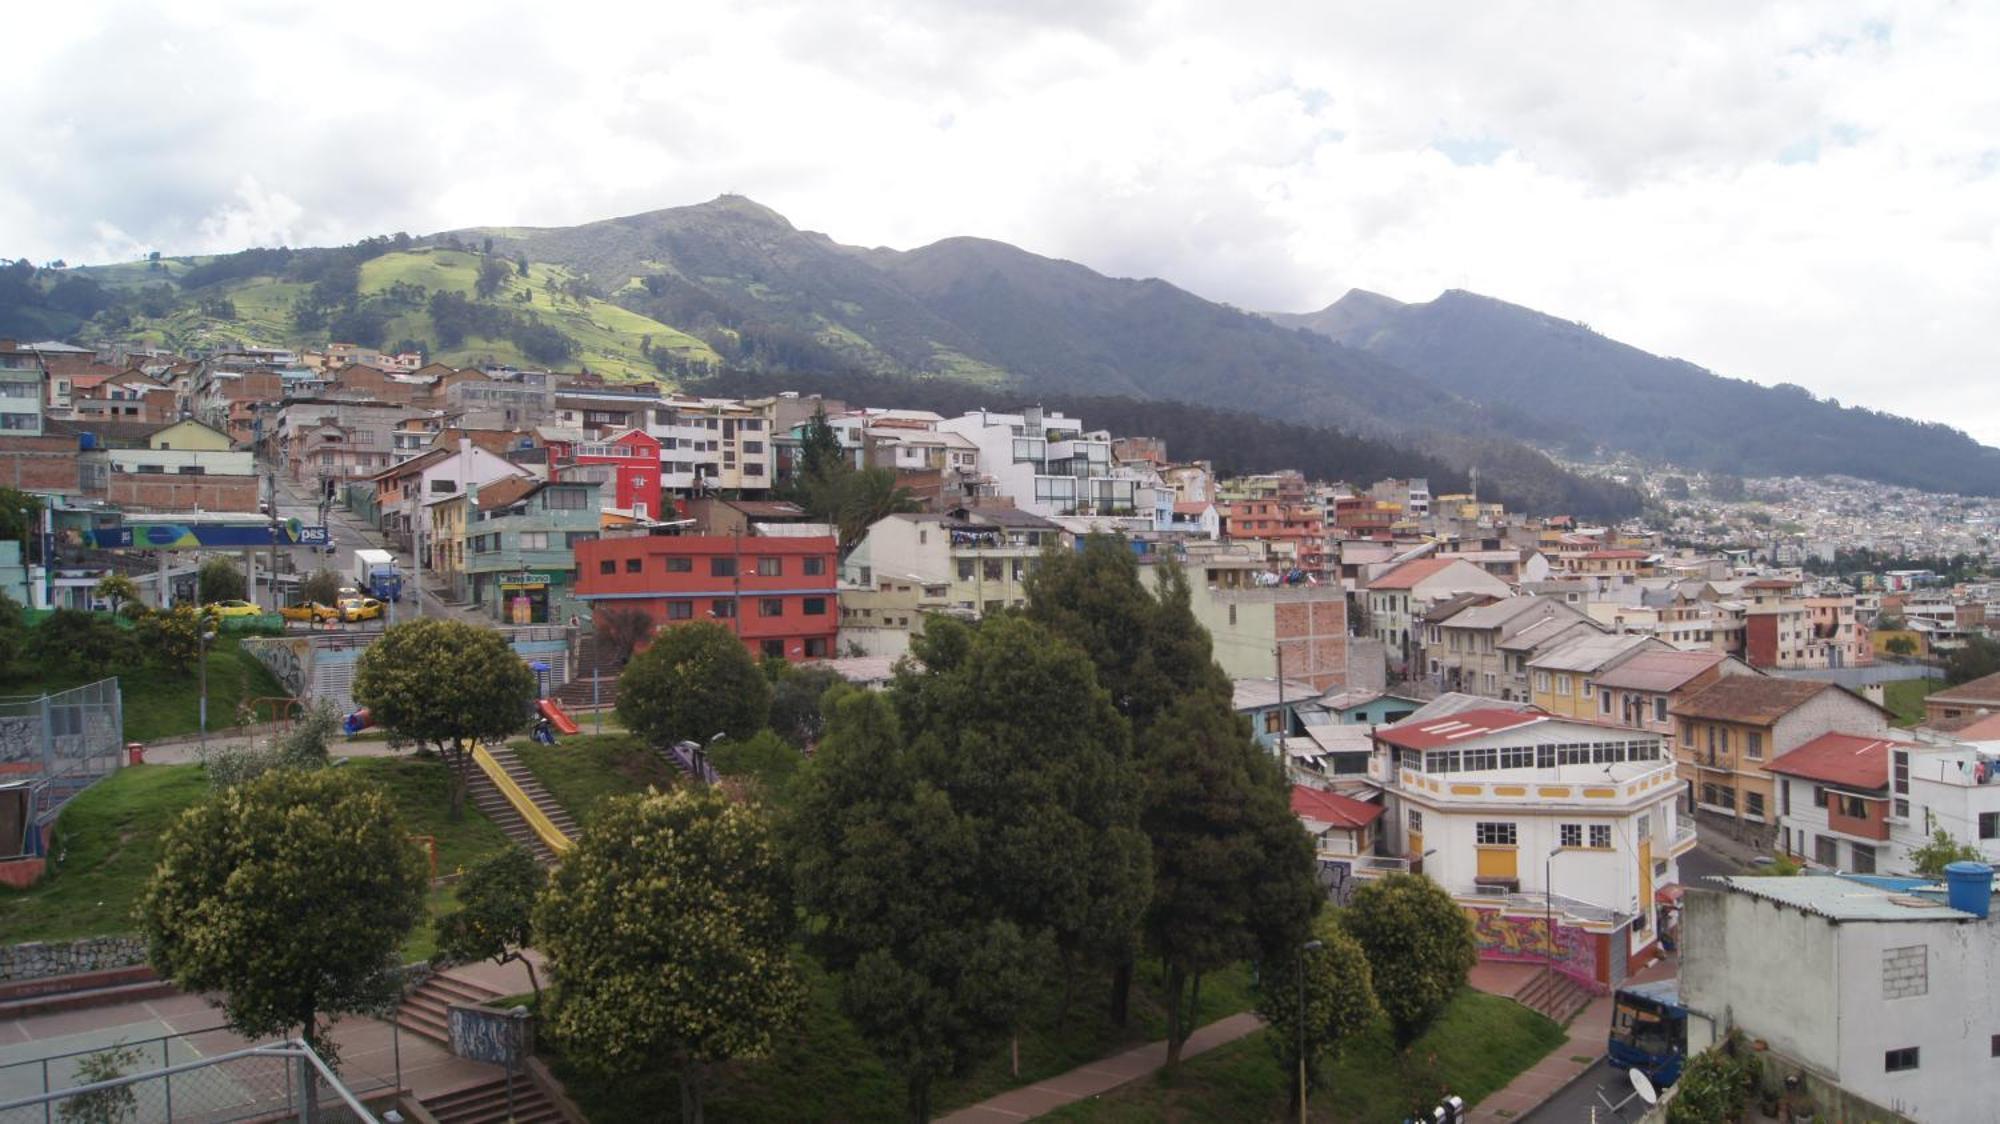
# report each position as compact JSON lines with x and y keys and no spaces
{"x":1801,"y":192}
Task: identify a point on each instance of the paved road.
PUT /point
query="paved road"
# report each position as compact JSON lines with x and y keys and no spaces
{"x":1574,"y":1104}
{"x":348,"y":535}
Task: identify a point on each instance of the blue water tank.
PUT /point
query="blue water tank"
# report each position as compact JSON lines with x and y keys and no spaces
{"x":86,"y":441}
{"x":1969,"y":887}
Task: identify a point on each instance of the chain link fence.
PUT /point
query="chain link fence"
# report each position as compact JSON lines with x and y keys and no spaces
{"x":203,"y":1077}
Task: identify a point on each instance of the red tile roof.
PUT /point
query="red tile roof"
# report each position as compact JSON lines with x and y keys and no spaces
{"x":1407,"y":575}
{"x":1607,"y":555}
{"x":1847,"y":760}
{"x":1333,"y":808}
{"x":1984,"y":691}
{"x":1431,"y":733}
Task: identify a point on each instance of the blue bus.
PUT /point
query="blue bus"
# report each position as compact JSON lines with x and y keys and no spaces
{"x":1649,"y":1031}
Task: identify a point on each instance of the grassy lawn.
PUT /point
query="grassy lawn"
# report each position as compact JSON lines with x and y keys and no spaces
{"x":828,"y":1072}
{"x":1481,"y":1042}
{"x":159,"y":705}
{"x":585,"y":768}
{"x":107,"y":837}
{"x":1906,"y":698}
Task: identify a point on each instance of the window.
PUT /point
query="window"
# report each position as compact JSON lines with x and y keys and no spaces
{"x":815,"y":606}
{"x":1562,"y":685}
{"x":1819,"y":796}
{"x":774,"y":649}
{"x":1588,"y":687}
{"x":816,"y":647}
{"x":677,"y":565}
{"x":1604,"y":702}
{"x":1541,"y":681}
{"x":438,"y":487}
{"x":680,"y":610}
{"x":608,"y":566}
{"x":965,"y":569}
{"x":815,"y":567}
{"x":1897,"y":1061}
{"x":770,"y":606}
{"x":1853,"y":807}
{"x":753,"y":470}
{"x":1687,"y":734}
{"x":1753,"y":744}
{"x":1416,"y":821}
{"x":1785,"y":796}
{"x":1989,"y":825}
{"x":770,"y":567}
{"x":534,"y":540}
{"x":1494,"y":835}
{"x":1571,"y":835}
{"x":571,"y":538}
{"x":1660,"y":709}
{"x":752,"y":448}
{"x":722,"y":567}
{"x":634,"y":565}
{"x":1826,"y":850}
{"x":1753,"y":804}
{"x":722,"y":610}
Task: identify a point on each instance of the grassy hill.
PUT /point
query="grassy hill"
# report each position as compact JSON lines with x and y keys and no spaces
{"x":158,"y":307}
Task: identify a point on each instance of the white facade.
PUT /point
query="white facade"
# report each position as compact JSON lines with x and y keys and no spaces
{"x":1949,"y":790}
{"x":1887,"y":994}
{"x":1050,"y":465}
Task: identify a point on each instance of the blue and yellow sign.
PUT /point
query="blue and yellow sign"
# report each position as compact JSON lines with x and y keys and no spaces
{"x":183,"y":534}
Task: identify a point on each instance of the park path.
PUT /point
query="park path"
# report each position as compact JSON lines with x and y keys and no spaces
{"x":1098,"y":1077}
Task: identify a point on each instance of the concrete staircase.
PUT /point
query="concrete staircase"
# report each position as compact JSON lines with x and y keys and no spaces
{"x":487,"y":1104}
{"x":489,"y":800}
{"x":1553,"y":994}
{"x":592,"y":680}
{"x":426,"y":1011}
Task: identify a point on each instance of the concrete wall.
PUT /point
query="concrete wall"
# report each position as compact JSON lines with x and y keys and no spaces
{"x":1934,"y":985}
{"x":1764,"y":968}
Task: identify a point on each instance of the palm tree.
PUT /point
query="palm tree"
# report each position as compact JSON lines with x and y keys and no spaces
{"x":864,"y":497}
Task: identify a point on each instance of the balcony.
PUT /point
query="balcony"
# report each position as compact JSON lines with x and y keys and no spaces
{"x":1540,"y":786}
{"x":1684,"y":839}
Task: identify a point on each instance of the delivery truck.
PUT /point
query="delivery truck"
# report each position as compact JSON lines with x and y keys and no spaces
{"x":376,"y":575}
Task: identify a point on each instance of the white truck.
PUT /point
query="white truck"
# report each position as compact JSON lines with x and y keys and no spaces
{"x":375,"y":574}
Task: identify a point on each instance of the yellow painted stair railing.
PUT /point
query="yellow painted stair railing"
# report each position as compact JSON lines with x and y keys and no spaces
{"x":537,"y":820}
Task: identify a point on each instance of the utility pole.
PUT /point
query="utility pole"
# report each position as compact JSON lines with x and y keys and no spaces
{"x":271,"y":566}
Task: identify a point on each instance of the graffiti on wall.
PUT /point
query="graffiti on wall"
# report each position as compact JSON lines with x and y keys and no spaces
{"x":1337,"y":878}
{"x":288,"y":659}
{"x":1502,"y":936}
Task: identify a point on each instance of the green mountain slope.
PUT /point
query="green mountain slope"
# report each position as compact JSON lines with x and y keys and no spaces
{"x":1595,"y":392}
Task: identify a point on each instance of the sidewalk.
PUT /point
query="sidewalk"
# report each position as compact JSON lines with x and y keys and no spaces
{"x":1587,"y":1034}
{"x":1098,"y":1077}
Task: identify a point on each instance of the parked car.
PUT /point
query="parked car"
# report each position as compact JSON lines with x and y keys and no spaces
{"x":313,"y":612}
{"x":360,"y":609}
{"x":233,"y":609}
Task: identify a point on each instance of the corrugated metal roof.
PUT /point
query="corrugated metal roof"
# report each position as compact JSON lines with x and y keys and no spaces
{"x":1844,"y":899}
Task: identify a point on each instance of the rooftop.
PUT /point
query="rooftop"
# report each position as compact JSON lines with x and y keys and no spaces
{"x":1659,"y":671}
{"x":1409,"y":574}
{"x":1984,"y":691}
{"x":1317,"y":806}
{"x":1847,"y":760}
{"x":1436,"y":733}
{"x":1458,"y":702}
{"x":1589,"y":652}
{"x":1755,"y":699}
{"x":1843,"y":898}
{"x":1256,"y":694}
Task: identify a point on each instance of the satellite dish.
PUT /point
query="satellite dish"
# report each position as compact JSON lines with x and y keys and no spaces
{"x":1643,"y":1086}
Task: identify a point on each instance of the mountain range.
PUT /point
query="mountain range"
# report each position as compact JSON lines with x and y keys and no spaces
{"x":732,"y":286}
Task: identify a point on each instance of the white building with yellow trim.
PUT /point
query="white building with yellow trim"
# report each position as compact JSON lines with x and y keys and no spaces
{"x":1533,"y":821}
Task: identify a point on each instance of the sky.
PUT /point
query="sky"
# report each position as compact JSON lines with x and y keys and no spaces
{"x":1787,"y":192}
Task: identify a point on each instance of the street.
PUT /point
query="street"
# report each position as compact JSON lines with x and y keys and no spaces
{"x":347,"y":536}
{"x":1579,"y":1100}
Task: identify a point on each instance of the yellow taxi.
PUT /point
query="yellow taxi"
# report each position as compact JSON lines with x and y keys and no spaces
{"x":313,"y":612}
{"x":232,"y":609}
{"x":360,"y":609}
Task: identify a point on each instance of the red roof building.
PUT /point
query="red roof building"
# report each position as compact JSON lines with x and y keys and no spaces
{"x":1331,"y":808}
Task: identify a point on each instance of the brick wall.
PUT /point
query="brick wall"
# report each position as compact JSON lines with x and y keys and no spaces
{"x":1312,"y":638}
{"x":1905,"y":972}
{"x":181,"y":493}
{"x":39,"y":464}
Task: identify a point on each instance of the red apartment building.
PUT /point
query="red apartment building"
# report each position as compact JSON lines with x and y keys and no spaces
{"x":633,"y":481}
{"x":1302,"y":525}
{"x":777,"y":594}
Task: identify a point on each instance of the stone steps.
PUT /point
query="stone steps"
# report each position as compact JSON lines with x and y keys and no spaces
{"x":426,"y":1011}
{"x":1554,"y":994}
{"x":487,"y":1104}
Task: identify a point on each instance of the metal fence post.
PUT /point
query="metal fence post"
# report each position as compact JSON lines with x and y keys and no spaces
{"x":48,"y":1107}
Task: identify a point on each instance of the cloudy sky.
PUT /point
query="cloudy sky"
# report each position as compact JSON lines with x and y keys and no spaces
{"x":1803,"y":192}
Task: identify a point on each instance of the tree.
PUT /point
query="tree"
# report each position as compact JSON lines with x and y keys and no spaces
{"x":495,"y":918}
{"x":117,"y":589}
{"x":486,"y":247}
{"x":927,"y":974}
{"x":290,"y":895}
{"x":492,"y":275}
{"x":820,"y":456}
{"x":864,"y":497}
{"x":795,"y":702}
{"x":20,"y":518}
{"x":521,"y":264}
{"x":172,"y":638}
{"x":1930,"y":859}
{"x":1977,"y":658}
{"x":620,"y":632}
{"x":1888,"y":622}
{"x":1419,"y":946}
{"x":1901,"y":646}
{"x":115,"y":1105}
{"x":220,"y":580}
{"x":321,"y":587}
{"x":447,"y":685}
{"x":1233,"y":871}
{"x":1339,"y":1002}
{"x":82,"y":643}
{"x":667,"y":931}
{"x":695,"y":681}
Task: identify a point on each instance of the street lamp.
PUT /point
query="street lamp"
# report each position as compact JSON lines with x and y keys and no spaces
{"x":207,"y":634}
{"x":1309,"y":946}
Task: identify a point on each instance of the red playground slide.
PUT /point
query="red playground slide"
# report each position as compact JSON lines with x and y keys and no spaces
{"x":557,"y":717}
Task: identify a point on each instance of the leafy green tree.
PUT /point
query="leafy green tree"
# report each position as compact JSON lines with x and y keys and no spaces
{"x":1233,"y":871}
{"x":447,"y":685}
{"x":521,"y":264}
{"x":492,"y":275}
{"x":1010,"y":723}
{"x":21,"y":515}
{"x":115,"y":1105}
{"x":764,"y":758}
{"x":496,"y":914}
{"x":71,"y":640}
{"x":1977,"y":658}
{"x":1419,"y":946}
{"x":321,"y":587}
{"x":1339,"y":1002}
{"x":1715,"y":1086}
{"x":667,"y":931}
{"x":117,"y":589}
{"x":172,"y":638}
{"x":1941,"y":851}
{"x":695,"y":681}
{"x":1901,"y":646}
{"x":289,"y":895}
{"x":883,"y":855}
{"x":795,"y":702}
{"x":820,"y":456}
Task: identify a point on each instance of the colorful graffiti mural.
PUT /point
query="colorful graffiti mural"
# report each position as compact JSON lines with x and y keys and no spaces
{"x":1525,"y":937}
